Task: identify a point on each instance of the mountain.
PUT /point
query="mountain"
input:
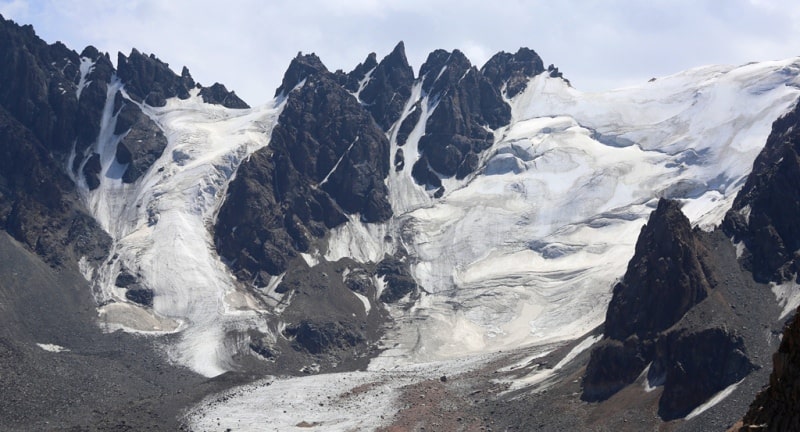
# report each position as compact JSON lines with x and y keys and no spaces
{"x":459,"y":248}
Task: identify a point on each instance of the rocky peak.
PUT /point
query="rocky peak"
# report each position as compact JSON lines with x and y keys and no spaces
{"x":352,"y":80}
{"x":665,"y":278}
{"x":442,"y":70}
{"x":147,"y":79}
{"x":40,"y":121}
{"x":299,"y":69}
{"x":327,"y":158}
{"x":220,"y":95}
{"x":764,"y":213}
{"x":467,"y":107}
{"x":388,"y":88}
{"x":513,"y":70}
{"x":44,"y":79}
{"x":662,"y":313}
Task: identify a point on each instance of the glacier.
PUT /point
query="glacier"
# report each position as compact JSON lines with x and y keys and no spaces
{"x":526,"y":251}
{"x":160,"y":229}
{"x":522,"y":253}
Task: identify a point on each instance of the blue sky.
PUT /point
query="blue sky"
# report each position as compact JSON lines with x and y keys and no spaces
{"x":247,"y":44}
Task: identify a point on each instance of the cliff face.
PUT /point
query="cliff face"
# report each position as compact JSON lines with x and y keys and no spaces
{"x":765,"y":213}
{"x":327,"y":159}
{"x":764,"y":217}
{"x":776,"y":407}
{"x":667,"y":275}
{"x":41,"y":119}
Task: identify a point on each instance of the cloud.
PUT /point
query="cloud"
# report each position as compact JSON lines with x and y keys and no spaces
{"x":247,"y":44}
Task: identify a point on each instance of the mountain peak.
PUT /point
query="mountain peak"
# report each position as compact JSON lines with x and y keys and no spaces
{"x":665,"y":278}
{"x":150,"y":80}
{"x":299,"y":69}
{"x":513,"y":70}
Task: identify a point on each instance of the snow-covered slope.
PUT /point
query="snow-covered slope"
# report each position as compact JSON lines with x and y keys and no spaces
{"x":523,"y":252}
{"x":160,"y":228}
{"x":527,"y":250}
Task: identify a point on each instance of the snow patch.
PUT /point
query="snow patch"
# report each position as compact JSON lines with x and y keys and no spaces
{"x":86,"y":67}
{"x":365,"y":301}
{"x":52,"y":347}
{"x":717,"y":398}
{"x":788,"y":296}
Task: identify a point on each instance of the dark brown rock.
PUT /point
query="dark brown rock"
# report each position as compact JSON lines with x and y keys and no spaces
{"x":327,"y":158}
{"x":388,"y":88}
{"x":613,"y":365}
{"x":667,"y":275}
{"x":396,"y":273}
{"x":218,"y":94}
{"x":467,"y":105}
{"x":513,"y":70}
{"x":695,"y":366}
{"x":776,"y":407}
{"x":147,"y":79}
{"x":143,"y":142}
{"x":764,"y":213}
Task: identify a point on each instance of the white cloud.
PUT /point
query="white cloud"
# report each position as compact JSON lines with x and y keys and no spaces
{"x":247,"y":44}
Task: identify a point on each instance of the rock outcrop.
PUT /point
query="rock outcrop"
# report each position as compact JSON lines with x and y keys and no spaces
{"x":667,"y":275}
{"x":149,"y":80}
{"x":512,"y":71}
{"x":40,"y":118}
{"x":143,"y":141}
{"x":467,"y":106}
{"x":764,"y":214}
{"x":775,"y":408}
{"x":648,"y":322}
{"x":388,"y":88}
{"x":218,"y":94}
{"x":327,"y":159}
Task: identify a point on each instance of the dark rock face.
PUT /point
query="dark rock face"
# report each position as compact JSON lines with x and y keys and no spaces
{"x":147,"y":79}
{"x":43,"y":95}
{"x":38,"y":204}
{"x":318,"y":338}
{"x":695,"y":366}
{"x":299,"y":69}
{"x":143,"y":296}
{"x":775,"y":408}
{"x":39,"y":117}
{"x":143,"y":143}
{"x":125,"y":279}
{"x":352,"y":80}
{"x":218,"y":94}
{"x":513,"y":70}
{"x":408,"y":124}
{"x":665,"y":278}
{"x":764,"y":214}
{"x":388,"y":88}
{"x":327,"y":158}
{"x":467,"y":105}
{"x":614,"y":364}
{"x":670,"y":274}
{"x":399,"y":282}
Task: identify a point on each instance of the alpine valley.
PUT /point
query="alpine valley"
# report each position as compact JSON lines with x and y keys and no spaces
{"x":458,"y":249}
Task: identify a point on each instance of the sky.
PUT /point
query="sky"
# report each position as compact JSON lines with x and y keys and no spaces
{"x":247,"y":44}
